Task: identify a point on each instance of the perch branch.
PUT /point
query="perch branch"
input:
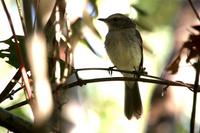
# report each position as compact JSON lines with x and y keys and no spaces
{"x":144,"y":78}
{"x":14,"y":123}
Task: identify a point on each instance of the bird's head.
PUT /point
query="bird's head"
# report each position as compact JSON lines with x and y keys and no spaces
{"x":118,"y":21}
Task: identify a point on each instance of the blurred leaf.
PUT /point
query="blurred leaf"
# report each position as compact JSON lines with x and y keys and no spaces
{"x":159,"y":12}
{"x":10,"y":52}
{"x":76,"y":26}
{"x":76,"y":31}
{"x":147,"y":48}
{"x":95,"y":9}
{"x":173,"y":67}
{"x":90,"y":47}
{"x":196,"y":27}
{"x":144,"y":25}
{"x":193,"y":46}
{"x":88,"y":20}
{"x":77,"y":34}
{"x":139,"y":10}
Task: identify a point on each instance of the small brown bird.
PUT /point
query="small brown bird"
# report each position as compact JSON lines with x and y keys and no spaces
{"x":124,"y":47}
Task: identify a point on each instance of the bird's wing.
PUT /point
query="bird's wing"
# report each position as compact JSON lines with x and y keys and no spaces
{"x":141,"y":47}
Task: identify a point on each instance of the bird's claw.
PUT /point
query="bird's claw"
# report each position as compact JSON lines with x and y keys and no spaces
{"x":142,"y":71}
{"x":110,"y":69}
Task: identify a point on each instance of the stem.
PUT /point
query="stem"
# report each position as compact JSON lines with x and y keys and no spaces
{"x":193,"y":8}
{"x":17,"y":105}
{"x":196,"y":84}
{"x":19,"y":56}
{"x":10,"y":86}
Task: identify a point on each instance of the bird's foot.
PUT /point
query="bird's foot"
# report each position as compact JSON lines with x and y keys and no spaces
{"x":142,"y":71}
{"x":110,"y":69}
{"x":139,"y":72}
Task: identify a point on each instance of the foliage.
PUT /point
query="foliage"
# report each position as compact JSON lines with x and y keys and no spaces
{"x":157,"y":13}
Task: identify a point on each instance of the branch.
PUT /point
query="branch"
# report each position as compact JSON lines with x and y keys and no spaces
{"x":14,"y":123}
{"x":144,"y":78}
{"x":10,"y":86}
{"x":10,"y":95}
{"x":18,"y":53}
{"x":193,"y":8}
{"x":196,"y":85}
{"x":21,"y":16}
{"x":17,"y":105}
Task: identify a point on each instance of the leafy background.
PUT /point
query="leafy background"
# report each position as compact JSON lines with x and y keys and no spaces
{"x":99,"y":106}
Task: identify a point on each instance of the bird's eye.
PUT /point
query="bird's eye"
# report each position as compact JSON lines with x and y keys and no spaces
{"x":115,"y":19}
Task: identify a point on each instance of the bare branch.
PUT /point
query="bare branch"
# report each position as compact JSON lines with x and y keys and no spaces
{"x":14,"y":123}
{"x":144,"y":78}
{"x":10,"y":86}
{"x":19,"y":56}
{"x":196,"y":85}
{"x":17,"y":105}
{"x":193,"y":8}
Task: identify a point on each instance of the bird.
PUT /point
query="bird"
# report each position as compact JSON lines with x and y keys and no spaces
{"x":123,"y":44}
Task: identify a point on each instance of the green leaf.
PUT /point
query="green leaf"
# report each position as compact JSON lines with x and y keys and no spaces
{"x":139,"y":10}
{"x":10,"y":52}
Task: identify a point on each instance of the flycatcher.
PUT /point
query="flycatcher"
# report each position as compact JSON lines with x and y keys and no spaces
{"x":124,"y":47}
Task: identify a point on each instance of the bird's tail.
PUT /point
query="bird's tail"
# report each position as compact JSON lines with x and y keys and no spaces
{"x":132,"y":103}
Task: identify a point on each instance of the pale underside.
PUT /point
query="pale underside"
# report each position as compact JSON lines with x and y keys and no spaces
{"x":126,"y":57}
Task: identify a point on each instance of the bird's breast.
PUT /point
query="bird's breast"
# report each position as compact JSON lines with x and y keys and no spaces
{"x":123,"y":48}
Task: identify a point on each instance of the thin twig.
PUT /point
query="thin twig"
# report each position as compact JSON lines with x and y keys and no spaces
{"x":106,"y":69}
{"x":196,"y":84}
{"x":17,"y":105}
{"x":194,"y":10}
{"x":19,"y":56}
{"x":10,"y":86}
{"x":121,"y":71}
{"x":15,"y":123}
{"x":147,"y":79}
{"x":21,"y":16}
{"x":10,"y":95}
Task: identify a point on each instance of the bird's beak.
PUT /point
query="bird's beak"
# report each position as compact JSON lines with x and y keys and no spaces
{"x":102,"y":19}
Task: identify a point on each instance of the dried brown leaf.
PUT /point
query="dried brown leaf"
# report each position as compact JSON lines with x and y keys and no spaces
{"x":173,"y":67}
